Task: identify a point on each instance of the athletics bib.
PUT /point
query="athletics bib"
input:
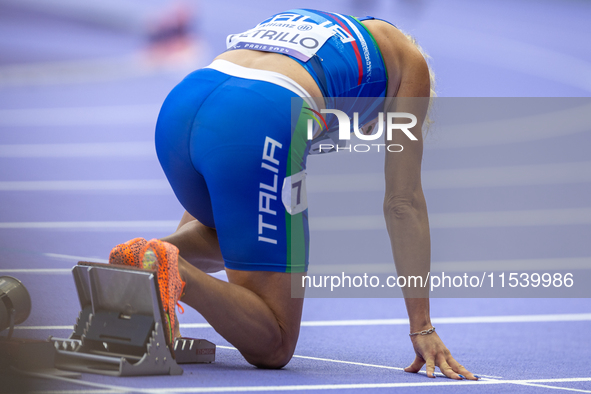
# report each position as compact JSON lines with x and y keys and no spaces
{"x":289,"y":34}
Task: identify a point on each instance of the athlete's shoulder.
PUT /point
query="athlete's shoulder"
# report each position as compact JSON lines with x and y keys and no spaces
{"x":402,"y":57}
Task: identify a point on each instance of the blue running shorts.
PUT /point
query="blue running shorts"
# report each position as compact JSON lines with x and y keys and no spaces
{"x":234,"y":150}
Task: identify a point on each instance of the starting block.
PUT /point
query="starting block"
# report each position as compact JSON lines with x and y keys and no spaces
{"x":119,"y":329}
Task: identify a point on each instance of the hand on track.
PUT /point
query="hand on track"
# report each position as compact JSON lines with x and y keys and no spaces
{"x":431,"y":350}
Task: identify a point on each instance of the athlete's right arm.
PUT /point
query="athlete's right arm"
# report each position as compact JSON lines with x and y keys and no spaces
{"x":405,"y":209}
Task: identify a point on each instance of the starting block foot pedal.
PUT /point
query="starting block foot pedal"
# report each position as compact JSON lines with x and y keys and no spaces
{"x":193,"y":351}
{"x":119,"y":331}
{"x":30,"y":355}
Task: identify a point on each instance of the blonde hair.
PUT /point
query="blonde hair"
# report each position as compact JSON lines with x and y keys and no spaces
{"x":413,"y":40}
{"x":432,"y":93}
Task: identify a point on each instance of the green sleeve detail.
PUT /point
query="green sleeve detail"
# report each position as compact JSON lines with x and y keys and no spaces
{"x":375,"y":43}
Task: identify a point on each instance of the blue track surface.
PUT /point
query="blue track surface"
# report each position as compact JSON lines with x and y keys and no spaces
{"x":78,"y":174}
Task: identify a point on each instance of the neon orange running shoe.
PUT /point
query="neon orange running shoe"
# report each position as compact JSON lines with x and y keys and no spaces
{"x":163,"y":257}
{"x":128,"y":253}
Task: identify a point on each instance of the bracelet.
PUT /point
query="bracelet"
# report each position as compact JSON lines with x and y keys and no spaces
{"x":424,"y":332}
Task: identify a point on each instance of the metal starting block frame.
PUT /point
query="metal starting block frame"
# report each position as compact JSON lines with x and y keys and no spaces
{"x":119,"y":330}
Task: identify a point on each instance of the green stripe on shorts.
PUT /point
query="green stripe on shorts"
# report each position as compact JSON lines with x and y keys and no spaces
{"x":296,"y":234}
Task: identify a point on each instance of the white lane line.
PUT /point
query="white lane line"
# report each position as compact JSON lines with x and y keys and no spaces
{"x":84,"y":71}
{"x":105,"y":391}
{"x":97,"y":70}
{"x":348,"y":362}
{"x":195,"y":325}
{"x":128,"y":17}
{"x":138,"y":114}
{"x":550,"y":124}
{"x":43,"y":327}
{"x":558,"y":380}
{"x":63,"y":257}
{"x":565,"y":263}
{"x":329,"y":360}
{"x":109,"y":185}
{"x":553,"y":387}
{"x":455,"y":320}
{"x":68,"y":257}
{"x":430,"y":383}
{"x":539,"y":217}
{"x":58,"y":271}
{"x":306,"y":387}
{"x":541,"y":174}
{"x":378,"y":366}
{"x":136,"y":149}
{"x":562,"y":317}
{"x":359,"y":364}
{"x":438,"y":320}
{"x":96,"y":225}
{"x":340,"y":386}
{"x":61,"y":271}
{"x":513,"y":265}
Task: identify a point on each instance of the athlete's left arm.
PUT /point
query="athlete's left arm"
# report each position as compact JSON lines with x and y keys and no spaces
{"x":405,"y":212}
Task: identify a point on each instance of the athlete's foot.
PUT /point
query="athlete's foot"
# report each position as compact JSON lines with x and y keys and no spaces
{"x":163,"y":258}
{"x":128,"y":253}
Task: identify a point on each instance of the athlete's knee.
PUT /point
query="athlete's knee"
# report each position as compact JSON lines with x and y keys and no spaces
{"x":274,"y":357}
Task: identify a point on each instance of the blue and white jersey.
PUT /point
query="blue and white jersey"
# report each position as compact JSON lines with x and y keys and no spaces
{"x":337,"y":50}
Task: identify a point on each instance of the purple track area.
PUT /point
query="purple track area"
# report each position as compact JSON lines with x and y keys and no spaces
{"x":78,"y":175}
